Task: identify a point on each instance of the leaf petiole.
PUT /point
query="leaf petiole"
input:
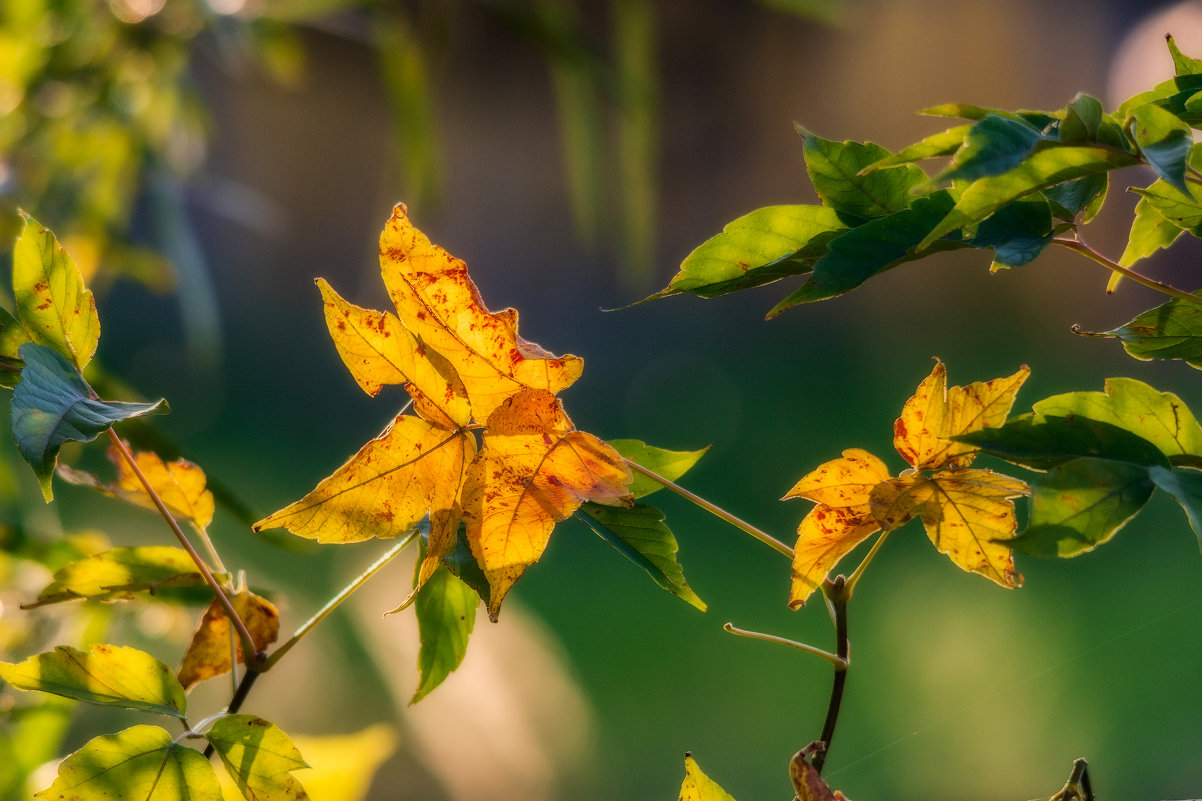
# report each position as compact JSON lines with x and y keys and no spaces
{"x":1089,"y":253}
{"x":717,"y":511}
{"x":838,"y":662}
{"x":859,"y":571}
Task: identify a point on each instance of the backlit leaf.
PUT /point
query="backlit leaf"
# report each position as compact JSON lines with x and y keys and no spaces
{"x":439,"y":304}
{"x":640,"y":534}
{"x":142,"y":763}
{"x":342,"y":765}
{"x":109,"y":675}
{"x":994,"y":145}
{"x":669,"y":464}
{"x":208,"y":653}
{"x":1042,"y":169}
{"x":1083,"y":197}
{"x":534,"y":470}
{"x":119,"y":573}
{"x":699,"y":787}
{"x":758,"y":248}
{"x":1017,"y":232}
{"x":922,"y":435}
{"x":52,"y":404}
{"x":1040,"y":119}
{"x":446,"y":614}
{"x":1080,"y":504}
{"x":835,"y":170}
{"x":385,"y":488}
{"x":53,"y":306}
{"x":1182,"y":64}
{"x":1165,"y":142}
{"x":1082,"y":117}
{"x":1043,"y":441}
{"x":1159,"y":417}
{"x":259,"y":757}
{"x":1170,"y":331}
{"x":843,"y":482}
{"x":943,"y":143}
{"x":1182,"y":210}
{"x":857,"y":255}
{"x":1185,"y":486}
{"x":1172,"y":95}
{"x":1150,"y":232}
{"x":968,"y":515}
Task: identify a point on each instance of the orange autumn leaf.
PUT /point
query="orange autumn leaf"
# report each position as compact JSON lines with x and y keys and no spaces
{"x":208,"y":654}
{"x":935,"y":414}
{"x":468,"y":371}
{"x":385,"y":489}
{"x":439,"y":304}
{"x":968,"y":515}
{"x":843,"y":519}
{"x":534,"y":470}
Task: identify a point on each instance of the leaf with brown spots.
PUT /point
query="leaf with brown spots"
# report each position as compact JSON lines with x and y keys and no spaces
{"x":534,"y":470}
{"x":968,"y":514}
{"x":208,"y":654}
{"x":922,"y":435}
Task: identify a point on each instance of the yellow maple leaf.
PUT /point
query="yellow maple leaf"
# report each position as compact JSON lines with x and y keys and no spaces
{"x":968,"y":514}
{"x":208,"y":654}
{"x":460,"y":363}
{"x":534,"y":470}
{"x":935,"y":414}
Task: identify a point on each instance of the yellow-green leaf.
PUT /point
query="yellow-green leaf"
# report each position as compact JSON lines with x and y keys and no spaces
{"x":259,"y":757}
{"x":108,"y":675}
{"x":446,"y":614}
{"x":669,"y":464}
{"x":142,"y":763}
{"x":699,"y":787}
{"x":120,"y":572}
{"x":53,"y":305}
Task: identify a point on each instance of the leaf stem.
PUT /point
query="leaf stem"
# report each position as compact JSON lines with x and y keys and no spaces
{"x":717,"y":511}
{"x":1085,"y":250}
{"x":838,"y":662}
{"x":334,"y":602}
{"x":837,"y":594}
{"x":859,"y":571}
{"x":248,"y":644}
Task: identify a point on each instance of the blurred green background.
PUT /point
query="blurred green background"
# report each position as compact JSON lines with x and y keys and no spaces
{"x":573,"y":154}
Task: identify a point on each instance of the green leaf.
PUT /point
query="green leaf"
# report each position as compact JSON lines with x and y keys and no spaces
{"x":52,"y":404}
{"x":1181,"y":210}
{"x":463,"y":565}
{"x":1038,"y":119}
{"x":699,"y":787}
{"x":119,"y":573}
{"x":1018,"y":232}
{"x":446,"y":614}
{"x":139,"y":764}
{"x":1165,"y":142}
{"x":1083,"y":196}
{"x":639,"y":534}
{"x":108,"y":675}
{"x":52,"y":303}
{"x":1082,"y":116}
{"x":1159,"y":417}
{"x":1081,"y":504}
{"x":1186,"y":488}
{"x":259,"y":757}
{"x":1170,"y":331}
{"x":835,"y":170}
{"x":1172,"y":95}
{"x":871,"y":248}
{"x":1043,"y":441}
{"x":1150,"y":232}
{"x":943,"y":143}
{"x":994,"y":145}
{"x":669,"y":464}
{"x":764,"y":246}
{"x":1182,"y":64}
{"x":1044,"y":168}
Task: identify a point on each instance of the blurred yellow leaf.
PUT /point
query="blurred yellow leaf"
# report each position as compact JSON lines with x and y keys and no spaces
{"x":935,"y":414}
{"x":208,"y":654}
{"x":699,"y":787}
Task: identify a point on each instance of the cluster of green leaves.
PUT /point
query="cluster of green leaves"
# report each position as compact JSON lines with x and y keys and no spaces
{"x":1015,"y":183}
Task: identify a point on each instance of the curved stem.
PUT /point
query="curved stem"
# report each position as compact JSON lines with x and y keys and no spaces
{"x":837,"y":594}
{"x":838,"y":662}
{"x":1085,"y":250}
{"x":859,"y":571}
{"x":717,"y":511}
{"x":334,"y":602}
{"x":248,"y":643}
